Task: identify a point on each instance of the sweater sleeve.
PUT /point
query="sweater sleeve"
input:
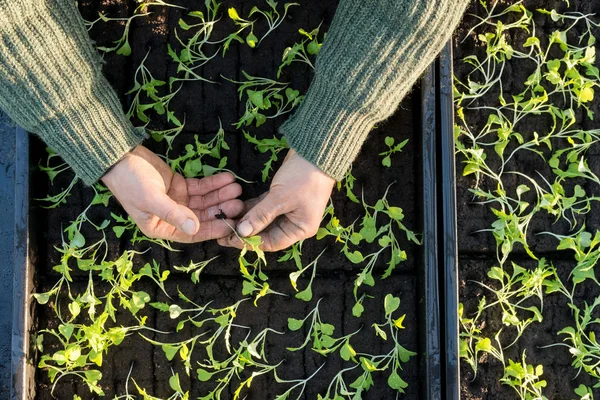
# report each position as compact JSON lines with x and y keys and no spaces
{"x":51,"y":84}
{"x":374,"y":52}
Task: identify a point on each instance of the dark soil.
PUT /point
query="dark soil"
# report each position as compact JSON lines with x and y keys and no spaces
{"x":477,"y":251}
{"x":203,"y":104}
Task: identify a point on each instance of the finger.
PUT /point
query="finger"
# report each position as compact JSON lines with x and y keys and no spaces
{"x":261,"y":215}
{"x":251,"y":203}
{"x":215,"y":197}
{"x":231,"y":209}
{"x":208,"y":230}
{"x":178,"y":190}
{"x":214,"y":229}
{"x":281,"y":234}
{"x":200,"y":187}
{"x":177,"y":215}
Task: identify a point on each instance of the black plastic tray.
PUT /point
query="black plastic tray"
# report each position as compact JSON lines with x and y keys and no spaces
{"x":438,"y":288}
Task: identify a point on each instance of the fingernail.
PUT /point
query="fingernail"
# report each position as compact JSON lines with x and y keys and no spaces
{"x":245,"y":228}
{"x":189,"y":226}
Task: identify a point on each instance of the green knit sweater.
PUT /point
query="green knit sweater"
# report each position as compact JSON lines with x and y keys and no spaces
{"x":51,"y":81}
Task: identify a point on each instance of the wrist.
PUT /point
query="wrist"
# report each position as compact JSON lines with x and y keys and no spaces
{"x":311,"y":168}
{"x":107,"y":178}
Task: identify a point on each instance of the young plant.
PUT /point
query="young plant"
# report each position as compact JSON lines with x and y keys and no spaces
{"x":306,"y":294}
{"x":303,"y":51}
{"x":146,"y":85}
{"x":273,"y":17}
{"x":242,"y":24}
{"x":524,"y":379}
{"x":274,"y":146}
{"x":193,"y":162}
{"x":192,"y":55}
{"x":392,"y":149}
{"x":121,"y":46}
{"x":265,"y":99}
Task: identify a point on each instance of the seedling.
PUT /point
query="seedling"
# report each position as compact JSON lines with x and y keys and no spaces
{"x":193,"y":56}
{"x":274,"y":146}
{"x":147,"y":85}
{"x":303,"y":51}
{"x":524,"y":379}
{"x":265,"y":99}
{"x":272,"y":16}
{"x":195,"y":269}
{"x":392,"y":149}
{"x":121,"y":46}
{"x":306,"y":294}
{"x":322,"y":334}
{"x":193,"y":164}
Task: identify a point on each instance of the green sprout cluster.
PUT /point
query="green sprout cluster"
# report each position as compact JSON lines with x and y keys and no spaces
{"x":492,"y":137}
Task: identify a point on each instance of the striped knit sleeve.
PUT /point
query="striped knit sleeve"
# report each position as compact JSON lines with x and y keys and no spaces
{"x":51,"y":84}
{"x":374,"y":52}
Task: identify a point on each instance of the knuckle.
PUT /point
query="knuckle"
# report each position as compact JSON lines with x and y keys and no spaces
{"x":311,"y":231}
{"x":171,"y":216}
{"x":148,"y":232}
{"x":263,"y":216}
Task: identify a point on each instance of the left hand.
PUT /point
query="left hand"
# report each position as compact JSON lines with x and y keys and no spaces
{"x":290,"y":211}
{"x":164,"y":205}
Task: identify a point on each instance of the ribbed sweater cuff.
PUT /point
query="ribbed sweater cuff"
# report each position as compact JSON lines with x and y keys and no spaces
{"x":92,"y":137}
{"x":326,"y":132}
{"x":51,"y":84}
{"x":374,"y":52}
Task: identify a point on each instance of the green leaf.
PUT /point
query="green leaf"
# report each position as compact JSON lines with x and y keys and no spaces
{"x":391,"y":304}
{"x":125,"y":50}
{"x":174,"y":311}
{"x":395,"y":382}
{"x":203,"y":375}
{"x":396,"y":213}
{"x":386,"y":162}
{"x":174,"y":383}
{"x":389,"y":141}
{"x":248,"y":288}
{"x":327,"y":329}
{"x":66,"y":330}
{"x":78,"y":240}
{"x":355,"y":257}
{"x":305,"y":295}
{"x":357,"y":310}
{"x":93,"y":375}
{"x":295,"y":324}
{"x":42,"y":298}
{"x":251,"y":40}
{"x":140,"y":299}
{"x":170,"y":351}
{"x":380,"y":332}
{"x":347,"y":351}
{"x":291,"y":94}
{"x":256,"y":97}
{"x":118,"y":230}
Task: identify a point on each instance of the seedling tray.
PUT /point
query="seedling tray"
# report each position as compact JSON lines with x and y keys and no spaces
{"x":433,"y":275}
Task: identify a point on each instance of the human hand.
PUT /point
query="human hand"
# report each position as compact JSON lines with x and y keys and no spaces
{"x":165,"y":205}
{"x":290,"y":211}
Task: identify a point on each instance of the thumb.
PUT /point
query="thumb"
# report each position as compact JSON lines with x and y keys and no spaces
{"x":260,"y":216}
{"x":175,"y":214}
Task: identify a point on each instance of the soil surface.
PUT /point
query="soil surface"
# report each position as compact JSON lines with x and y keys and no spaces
{"x":203,"y":104}
{"x":477,"y":250}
